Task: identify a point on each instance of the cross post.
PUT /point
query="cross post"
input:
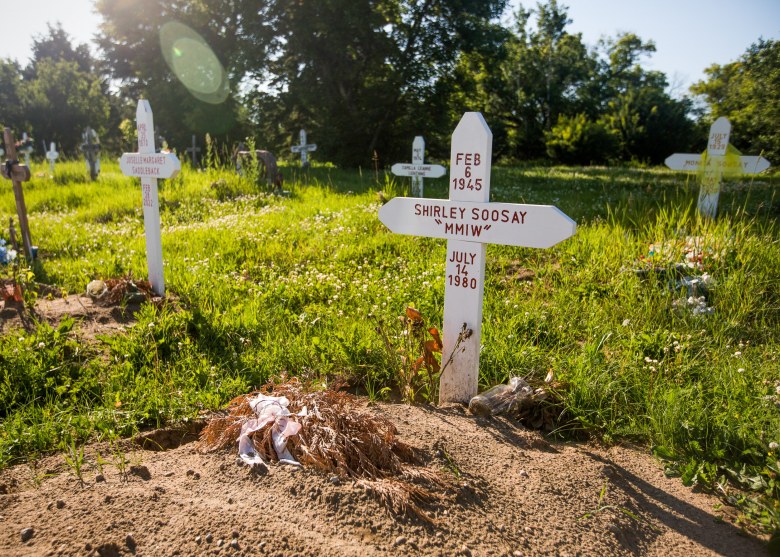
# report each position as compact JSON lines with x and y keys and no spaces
{"x":193,"y":151}
{"x":469,"y":222}
{"x":52,"y":155}
{"x":18,"y":173}
{"x":91,"y":149}
{"x":304,"y":149}
{"x":26,"y":148}
{"x":713,"y":164}
{"x":150,"y":166}
{"x":417,"y":170}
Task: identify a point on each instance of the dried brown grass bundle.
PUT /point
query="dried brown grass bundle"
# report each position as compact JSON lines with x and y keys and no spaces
{"x":122,"y":289}
{"x":338,"y":437}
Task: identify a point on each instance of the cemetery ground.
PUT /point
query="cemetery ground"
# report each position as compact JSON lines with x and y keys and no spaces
{"x":659,"y":332}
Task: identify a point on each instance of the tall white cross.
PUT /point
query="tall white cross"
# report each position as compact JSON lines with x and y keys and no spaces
{"x":469,"y":222}
{"x":150,"y":166}
{"x":303,"y":148}
{"x":714,"y":163}
{"x":52,"y":155}
{"x":417,"y":170}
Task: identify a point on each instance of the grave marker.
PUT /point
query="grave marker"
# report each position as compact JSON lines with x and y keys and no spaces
{"x":304,"y":149}
{"x":417,"y":170}
{"x":150,"y":166}
{"x":469,"y":222}
{"x":273,"y":178}
{"x":91,"y":149}
{"x":26,"y":148}
{"x":52,"y":155}
{"x":18,"y":173}
{"x":193,"y":151}
{"x":713,"y":164}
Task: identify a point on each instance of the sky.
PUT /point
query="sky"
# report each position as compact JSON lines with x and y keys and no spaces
{"x":689,"y":35}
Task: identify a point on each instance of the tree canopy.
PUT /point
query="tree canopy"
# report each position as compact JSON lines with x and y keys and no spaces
{"x":363,"y":77}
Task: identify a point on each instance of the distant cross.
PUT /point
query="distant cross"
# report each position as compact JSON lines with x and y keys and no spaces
{"x":52,"y":155}
{"x":469,"y":222}
{"x":304,"y":149}
{"x":150,"y":166}
{"x":193,"y":151}
{"x":26,"y":149}
{"x":713,"y":164}
{"x":417,"y":170}
{"x":91,"y":149}
{"x":18,"y":173}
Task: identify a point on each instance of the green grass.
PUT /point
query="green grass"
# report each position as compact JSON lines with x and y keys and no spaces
{"x":295,"y":285}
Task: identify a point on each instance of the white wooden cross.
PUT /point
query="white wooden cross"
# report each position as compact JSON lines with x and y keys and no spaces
{"x":469,"y":222}
{"x":715,"y":163}
{"x":417,"y":170}
{"x":150,"y":166}
{"x":26,"y":148}
{"x":304,"y":149}
{"x":193,"y":151}
{"x":52,"y":155}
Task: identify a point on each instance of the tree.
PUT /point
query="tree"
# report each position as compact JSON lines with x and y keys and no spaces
{"x":539,"y":77}
{"x":361,"y":73}
{"x":747,"y":92}
{"x":11,"y":110}
{"x":129,"y":39}
{"x":648,"y":122}
{"x":62,"y":100}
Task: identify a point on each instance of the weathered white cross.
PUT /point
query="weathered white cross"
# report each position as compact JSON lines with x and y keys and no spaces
{"x":417,"y":170}
{"x":469,"y":222}
{"x":91,"y":149}
{"x":714,"y":163}
{"x":150,"y":166}
{"x":18,"y":173}
{"x":26,"y":148}
{"x":304,"y":149}
{"x":52,"y":155}
{"x":193,"y":151}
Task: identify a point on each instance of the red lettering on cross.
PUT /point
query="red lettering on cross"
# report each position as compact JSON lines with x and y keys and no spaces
{"x":147,"y":192}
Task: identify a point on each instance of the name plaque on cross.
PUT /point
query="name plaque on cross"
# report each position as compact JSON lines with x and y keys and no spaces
{"x":417,"y":170}
{"x":714,"y":163}
{"x":150,"y":166}
{"x":469,"y":222}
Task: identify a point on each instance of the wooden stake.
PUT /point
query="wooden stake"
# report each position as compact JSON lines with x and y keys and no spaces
{"x":18,"y":173}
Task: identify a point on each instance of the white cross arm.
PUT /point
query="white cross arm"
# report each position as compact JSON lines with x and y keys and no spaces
{"x":300,"y":148}
{"x":150,"y":165}
{"x":692,"y":162}
{"x":509,"y":224}
{"x":424,"y":170}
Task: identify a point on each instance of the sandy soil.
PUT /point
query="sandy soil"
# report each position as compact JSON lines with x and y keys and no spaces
{"x":513,"y":494}
{"x":516,"y":494}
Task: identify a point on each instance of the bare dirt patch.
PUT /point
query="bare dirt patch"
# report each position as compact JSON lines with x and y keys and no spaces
{"x":512,"y":493}
{"x":107,"y":314}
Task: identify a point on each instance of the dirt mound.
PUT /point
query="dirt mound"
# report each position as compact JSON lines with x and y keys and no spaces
{"x":111,"y":311}
{"x":511,"y":493}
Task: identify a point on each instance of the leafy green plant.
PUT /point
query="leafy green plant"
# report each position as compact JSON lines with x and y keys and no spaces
{"x":74,"y":458}
{"x":412,"y":347}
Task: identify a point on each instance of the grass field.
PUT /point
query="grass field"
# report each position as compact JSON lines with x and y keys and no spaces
{"x":663,"y":328}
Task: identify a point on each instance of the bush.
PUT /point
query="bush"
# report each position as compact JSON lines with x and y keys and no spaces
{"x":577,"y":140}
